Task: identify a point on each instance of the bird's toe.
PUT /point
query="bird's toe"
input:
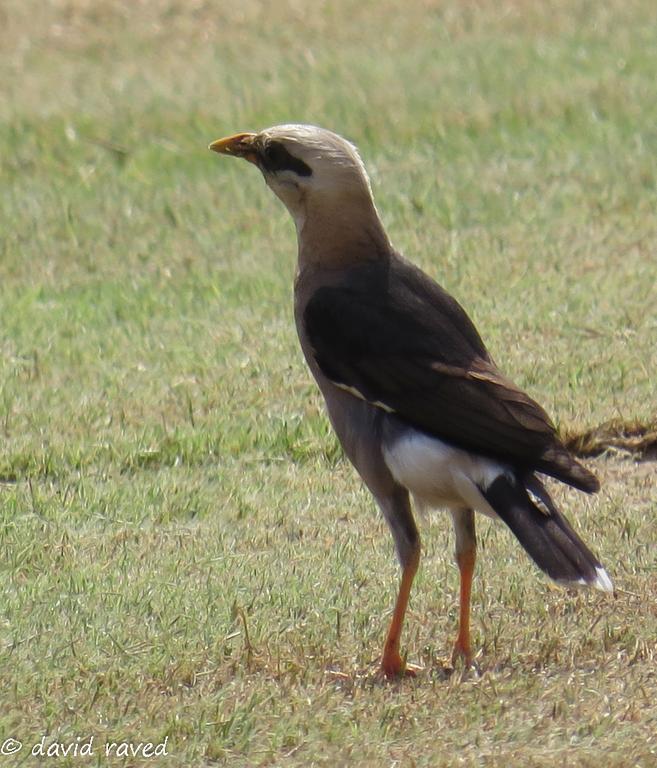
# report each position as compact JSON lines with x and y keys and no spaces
{"x":394,"y":667}
{"x":463,"y":653}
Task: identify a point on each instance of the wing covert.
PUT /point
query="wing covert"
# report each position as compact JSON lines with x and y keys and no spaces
{"x":423,"y":360}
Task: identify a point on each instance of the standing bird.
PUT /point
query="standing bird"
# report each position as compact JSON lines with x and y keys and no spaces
{"x":416,"y":400}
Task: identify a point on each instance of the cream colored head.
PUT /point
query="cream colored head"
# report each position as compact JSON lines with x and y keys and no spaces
{"x":308,"y":168}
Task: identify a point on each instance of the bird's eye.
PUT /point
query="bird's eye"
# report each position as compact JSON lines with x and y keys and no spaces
{"x":275,"y":158}
{"x":275,"y":155}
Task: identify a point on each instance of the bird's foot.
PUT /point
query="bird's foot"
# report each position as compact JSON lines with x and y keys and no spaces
{"x":463,"y":653}
{"x":394,"y":667}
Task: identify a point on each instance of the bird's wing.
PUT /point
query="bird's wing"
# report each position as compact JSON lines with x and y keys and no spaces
{"x":408,"y":347}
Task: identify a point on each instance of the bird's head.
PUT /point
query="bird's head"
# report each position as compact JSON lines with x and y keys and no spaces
{"x":305,"y":166}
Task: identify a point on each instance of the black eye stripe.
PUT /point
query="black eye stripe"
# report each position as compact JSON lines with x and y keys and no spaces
{"x":275,"y":157}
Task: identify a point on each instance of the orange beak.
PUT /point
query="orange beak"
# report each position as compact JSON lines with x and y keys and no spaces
{"x":240,"y":145}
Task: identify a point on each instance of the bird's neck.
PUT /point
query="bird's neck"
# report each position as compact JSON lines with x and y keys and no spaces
{"x":334,"y":234}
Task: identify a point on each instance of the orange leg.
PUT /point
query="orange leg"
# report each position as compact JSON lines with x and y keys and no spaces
{"x":466,"y":555}
{"x":466,"y":563}
{"x":392,"y":663}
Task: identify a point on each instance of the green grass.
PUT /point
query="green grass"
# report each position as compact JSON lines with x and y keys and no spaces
{"x":185,"y":553}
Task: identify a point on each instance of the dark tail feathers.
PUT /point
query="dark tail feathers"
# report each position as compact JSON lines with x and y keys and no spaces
{"x":544,"y":532}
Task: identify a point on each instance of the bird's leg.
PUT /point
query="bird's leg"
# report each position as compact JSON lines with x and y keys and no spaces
{"x":397,"y":510}
{"x":392,"y":663}
{"x":466,"y":554}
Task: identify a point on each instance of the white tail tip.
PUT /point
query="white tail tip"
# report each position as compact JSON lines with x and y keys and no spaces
{"x":603,"y":582}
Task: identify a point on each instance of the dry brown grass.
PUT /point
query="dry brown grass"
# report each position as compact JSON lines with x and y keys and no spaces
{"x":636,"y":439}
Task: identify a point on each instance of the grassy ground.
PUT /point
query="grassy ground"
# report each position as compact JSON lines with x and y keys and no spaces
{"x":184,"y":552}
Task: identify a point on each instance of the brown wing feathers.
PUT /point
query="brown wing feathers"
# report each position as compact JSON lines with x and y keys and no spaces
{"x":397,"y":338}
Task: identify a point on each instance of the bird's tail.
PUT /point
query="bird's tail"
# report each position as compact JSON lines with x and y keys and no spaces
{"x":526,"y":507}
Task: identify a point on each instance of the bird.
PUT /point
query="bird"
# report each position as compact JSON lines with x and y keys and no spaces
{"x":417,"y":402}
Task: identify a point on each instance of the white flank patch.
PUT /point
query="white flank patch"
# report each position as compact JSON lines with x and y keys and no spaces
{"x":440,"y":475}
